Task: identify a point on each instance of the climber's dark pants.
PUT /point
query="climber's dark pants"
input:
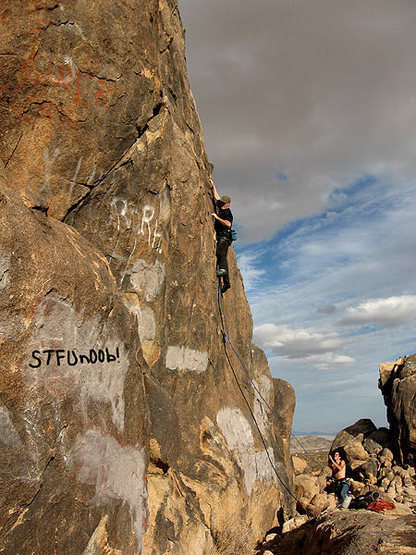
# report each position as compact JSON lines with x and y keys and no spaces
{"x":222,"y":249}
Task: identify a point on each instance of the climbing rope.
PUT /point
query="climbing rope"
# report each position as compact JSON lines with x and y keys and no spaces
{"x":226,"y":338}
{"x":248,"y":404}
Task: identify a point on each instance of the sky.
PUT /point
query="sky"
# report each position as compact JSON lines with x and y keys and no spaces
{"x":308,"y":109}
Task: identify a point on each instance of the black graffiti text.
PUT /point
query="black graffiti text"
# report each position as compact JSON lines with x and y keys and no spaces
{"x":72,"y":357}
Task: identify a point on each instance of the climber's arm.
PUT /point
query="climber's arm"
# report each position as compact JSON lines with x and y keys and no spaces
{"x":214,"y":190}
{"x":226,"y":223}
{"x":339,"y":466}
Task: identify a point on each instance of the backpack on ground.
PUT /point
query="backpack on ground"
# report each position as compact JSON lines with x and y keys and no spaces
{"x":363,"y":501}
{"x":359,"y":502}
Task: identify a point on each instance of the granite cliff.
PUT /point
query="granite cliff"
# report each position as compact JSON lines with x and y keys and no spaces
{"x":122,"y":426}
{"x":398,"y":386}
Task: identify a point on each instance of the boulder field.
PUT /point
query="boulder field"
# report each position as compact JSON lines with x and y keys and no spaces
{"x":380,"y":463}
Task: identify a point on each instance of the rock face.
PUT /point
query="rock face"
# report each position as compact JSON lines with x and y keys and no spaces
{"x":398,"y":385}
{"x":73,"y":455}
{"x":348,"y":533}
{"x":122,"y":421}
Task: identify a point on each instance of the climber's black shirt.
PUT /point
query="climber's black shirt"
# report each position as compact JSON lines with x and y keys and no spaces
{"x":224,"y":215}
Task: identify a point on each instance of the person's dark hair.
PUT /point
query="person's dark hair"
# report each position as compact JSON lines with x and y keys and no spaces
{"x":341,"y":452}
{"x":343,"y":455}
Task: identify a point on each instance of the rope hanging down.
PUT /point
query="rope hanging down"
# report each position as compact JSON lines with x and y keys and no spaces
{"x":247,"y":403}
{"x":226,"y":337}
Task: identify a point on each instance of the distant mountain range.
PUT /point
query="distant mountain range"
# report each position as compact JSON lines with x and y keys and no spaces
{"x":311,"y":443}
{"x":321,"y":434}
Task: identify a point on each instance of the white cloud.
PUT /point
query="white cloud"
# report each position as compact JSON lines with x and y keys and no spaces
{"x":389,"y":312}
{"x":321,"y":92}
{"x":329,"y":361}
{"x":251,"y":274}
{"x":297,"y":343}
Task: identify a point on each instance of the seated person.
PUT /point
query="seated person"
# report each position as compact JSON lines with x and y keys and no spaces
{"x":338,"y":482}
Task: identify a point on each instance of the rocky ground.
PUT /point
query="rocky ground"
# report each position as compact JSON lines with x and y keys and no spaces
{"x":322,"y":528}
{"x":348,"y":532}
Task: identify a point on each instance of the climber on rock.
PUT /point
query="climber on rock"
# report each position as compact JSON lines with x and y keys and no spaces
{"x":223,"y":221}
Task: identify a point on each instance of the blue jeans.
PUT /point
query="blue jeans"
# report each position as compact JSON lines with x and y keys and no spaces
{"x":341,"y":489}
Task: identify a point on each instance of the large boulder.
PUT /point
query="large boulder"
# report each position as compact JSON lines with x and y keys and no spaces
{"x":398,"y":386}
{"x":351,"y":440}
{"x":299,"y":465}
{"x":359,"y":431}
{"x":307,"y":486}
{"x":126,"y":420}
{"x":320,"y":502}
{"x":74,"y":422}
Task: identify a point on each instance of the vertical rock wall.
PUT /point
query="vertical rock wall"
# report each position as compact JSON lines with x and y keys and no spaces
{"x":398,"y":386}
{"x":74,"y":422}
{"x":121,"y":421}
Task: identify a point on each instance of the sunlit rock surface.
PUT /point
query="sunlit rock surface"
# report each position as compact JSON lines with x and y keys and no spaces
{"x":122,"y":425}
{"x":398,"y":385}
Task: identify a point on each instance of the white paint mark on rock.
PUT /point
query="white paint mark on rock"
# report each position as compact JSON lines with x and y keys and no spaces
{"x":261,"y":412}
{"x":257,"y":468}
{"x":71,"y":64}
{"x":147,"y":278}
{"x":146,"y":322}
{"x":8,"y":433}
{"x":183,"y":358}
{"x":147,"y":217}
{"x":239,"y":437}
{"x":140,"y":222}
{"x":116,"y":472}
{"x":235,"y":428}
{"x":56,"y":325}
{"x":74,"y":178}
{"x":105,"y":383}
{"x":49,"y":160}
